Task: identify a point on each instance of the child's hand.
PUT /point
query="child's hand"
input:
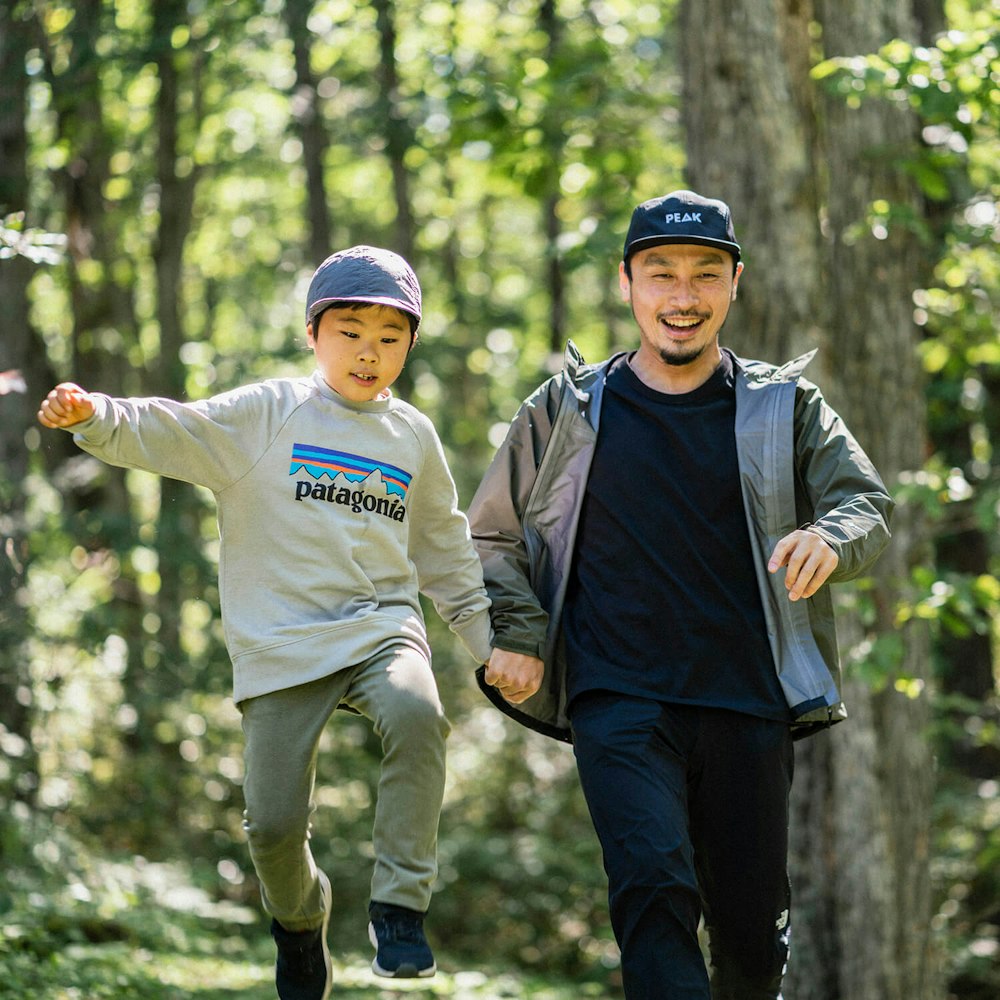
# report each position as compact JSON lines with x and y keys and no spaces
{"x":65,"y":405}
{"x":515,"y":675}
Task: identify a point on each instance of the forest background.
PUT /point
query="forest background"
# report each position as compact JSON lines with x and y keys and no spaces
{"x":170,"y":174}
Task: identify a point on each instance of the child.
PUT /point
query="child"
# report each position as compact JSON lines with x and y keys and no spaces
{"x":335,"y":507}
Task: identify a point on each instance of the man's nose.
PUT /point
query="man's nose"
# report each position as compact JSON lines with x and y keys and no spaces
{"x":683,"y":294}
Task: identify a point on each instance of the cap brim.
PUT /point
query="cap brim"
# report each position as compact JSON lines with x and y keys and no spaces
{"x":375,"y":300}
{"x":645,"y":242}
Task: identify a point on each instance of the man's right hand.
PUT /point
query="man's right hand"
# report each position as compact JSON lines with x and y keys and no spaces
{"x":65,"y":405}
{"x":516,"y":676}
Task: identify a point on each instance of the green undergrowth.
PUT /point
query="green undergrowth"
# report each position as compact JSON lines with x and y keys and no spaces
{"x":153,"y":954}
{"x":123,"y":971}
{"x":78,"y":927}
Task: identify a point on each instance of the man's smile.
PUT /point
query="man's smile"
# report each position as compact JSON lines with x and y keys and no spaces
{"x":682,"y":325}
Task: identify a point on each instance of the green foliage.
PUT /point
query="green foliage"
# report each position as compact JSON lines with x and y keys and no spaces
{"x":952,"y":84}
{"x":967,"y":862}
{"x":138,"y":746}
{"x":515,"y":826}
{"x":76,"y":924}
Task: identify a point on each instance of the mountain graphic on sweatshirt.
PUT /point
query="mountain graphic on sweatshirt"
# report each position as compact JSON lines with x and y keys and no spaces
{"x":319,"y":462}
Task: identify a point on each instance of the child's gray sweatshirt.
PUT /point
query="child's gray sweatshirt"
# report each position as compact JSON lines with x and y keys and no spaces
{"x":332,"y":514}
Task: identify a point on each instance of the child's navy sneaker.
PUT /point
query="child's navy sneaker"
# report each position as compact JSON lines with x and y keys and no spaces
{"x":304,"y":970}
{"x":401,"y":949}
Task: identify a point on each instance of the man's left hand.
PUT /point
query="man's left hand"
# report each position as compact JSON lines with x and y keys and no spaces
{"x":809,"y":561}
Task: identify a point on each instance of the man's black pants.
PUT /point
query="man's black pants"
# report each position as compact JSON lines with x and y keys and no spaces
{"x":691,"y":808}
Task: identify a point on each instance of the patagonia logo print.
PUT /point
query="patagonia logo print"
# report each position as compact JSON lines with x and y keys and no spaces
{"x":363,"y":484}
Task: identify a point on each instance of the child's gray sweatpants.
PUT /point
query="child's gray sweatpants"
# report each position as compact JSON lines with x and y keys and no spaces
{"x":397,"y":691}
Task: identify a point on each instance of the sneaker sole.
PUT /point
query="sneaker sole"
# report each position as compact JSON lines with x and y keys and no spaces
{"x":327,"y":891}
{"x":405,"y":971}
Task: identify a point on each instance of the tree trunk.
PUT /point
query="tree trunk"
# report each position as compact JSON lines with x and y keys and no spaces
{"x":873,"y":350}
{"x":92,"y":245}
{"x":749,"y":123}
{"x":19,"y":395}
{"x":551,"y":26}
{"x":800,"y":180}
{"x":397,"y":130}
{"x":399,"y":138}
{"x":177,"y":531}
{"x":104,"y":325}
{"x":311,"y":131}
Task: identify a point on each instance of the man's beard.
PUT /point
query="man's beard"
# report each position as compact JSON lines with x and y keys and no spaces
{"x":681,"y":358}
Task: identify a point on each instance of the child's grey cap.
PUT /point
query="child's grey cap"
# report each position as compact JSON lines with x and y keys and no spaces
{"x":365,"y":274}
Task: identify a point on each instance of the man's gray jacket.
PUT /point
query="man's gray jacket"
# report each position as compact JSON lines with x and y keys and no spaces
{"x":799,"y":468}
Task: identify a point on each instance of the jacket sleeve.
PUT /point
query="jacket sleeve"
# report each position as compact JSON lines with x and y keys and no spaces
{"x":843,"y":499}
{"x":497,"y":518}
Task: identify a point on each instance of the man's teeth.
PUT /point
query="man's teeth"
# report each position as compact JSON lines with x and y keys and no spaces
{"x":683,"y":322}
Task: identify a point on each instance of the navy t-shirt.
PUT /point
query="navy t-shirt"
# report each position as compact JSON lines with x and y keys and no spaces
{"x":663,"y":600}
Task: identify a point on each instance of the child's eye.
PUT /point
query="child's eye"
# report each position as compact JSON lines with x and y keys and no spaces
{"x":390,"y":340}
{"x":350,"y":334}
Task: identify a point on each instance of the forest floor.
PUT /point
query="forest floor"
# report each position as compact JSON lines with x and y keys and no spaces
{"x":144,"y":932}
{"x":225,"y":966}
{"x":99,"y":971}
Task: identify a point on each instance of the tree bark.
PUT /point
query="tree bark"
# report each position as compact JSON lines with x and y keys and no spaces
{"x":97,"y":304}
{"x":19,"y":396}
{"x":749,"y":120}
{"x":177,"y":527}
{"x":399,"y":137}
{"x":311,"y":132}
{"x":880,"y":386}
{"x":104,"y":324}
{"x":397,"y":130}
{"x":800,"y":178}
{"x":552,"y":126}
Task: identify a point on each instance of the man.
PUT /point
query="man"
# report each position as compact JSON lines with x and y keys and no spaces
{"x":657,"y":532}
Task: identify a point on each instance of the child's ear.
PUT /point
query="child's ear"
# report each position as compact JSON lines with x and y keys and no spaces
{"x":310,"y":334}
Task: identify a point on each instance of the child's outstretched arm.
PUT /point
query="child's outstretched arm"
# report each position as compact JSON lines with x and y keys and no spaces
{"x":65,"y":405}
{"x":211,"y":442}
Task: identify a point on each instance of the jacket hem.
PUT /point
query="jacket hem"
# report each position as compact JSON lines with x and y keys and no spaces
{"x":529,"y":721}
{"x":814,"y":716}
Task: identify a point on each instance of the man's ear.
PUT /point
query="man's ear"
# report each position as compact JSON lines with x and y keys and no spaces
{"x":624,"y":282}
{"x":310,"y":334}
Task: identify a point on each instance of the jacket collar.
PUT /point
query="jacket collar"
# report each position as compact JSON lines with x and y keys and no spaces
{"x":757,"y":373}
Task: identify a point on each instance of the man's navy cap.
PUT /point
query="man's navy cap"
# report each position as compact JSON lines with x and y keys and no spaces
{"x":681,"y":217}
{"x":365,"y":274}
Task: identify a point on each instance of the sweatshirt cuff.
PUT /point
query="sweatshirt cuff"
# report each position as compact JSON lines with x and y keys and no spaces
{"x":476,"y":636}
{"x":94,"y":421}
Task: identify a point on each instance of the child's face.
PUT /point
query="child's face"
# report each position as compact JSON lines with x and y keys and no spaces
{"x":360,"y":352}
